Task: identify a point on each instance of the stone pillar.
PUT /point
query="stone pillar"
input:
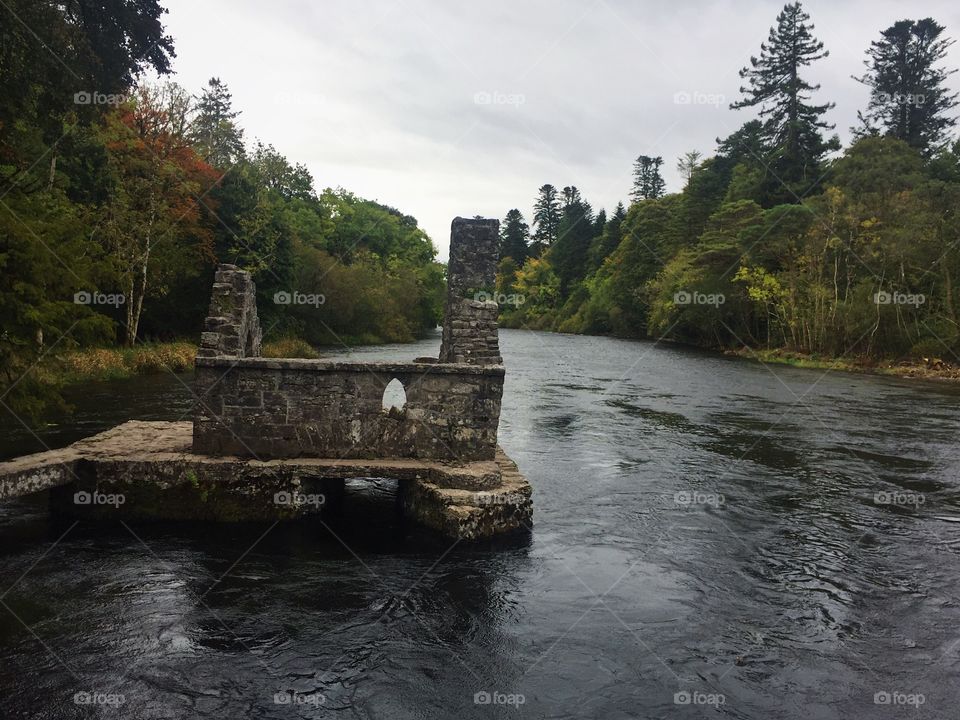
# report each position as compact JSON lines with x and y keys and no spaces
{"x":470,"y":317}
{"x":232,"y":327}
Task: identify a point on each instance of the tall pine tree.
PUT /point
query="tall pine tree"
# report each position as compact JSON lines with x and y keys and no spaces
{"x":648,"y":184}
{"x":546,"y":219}
{"x":569,"y":252}
{"x":908,"y":99}
{"x":215,"y":133}
{"x":792,"y":124}
{"x":514,"y":237}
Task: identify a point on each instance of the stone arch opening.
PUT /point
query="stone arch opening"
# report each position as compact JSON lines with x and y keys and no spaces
{"x":394,"y":396}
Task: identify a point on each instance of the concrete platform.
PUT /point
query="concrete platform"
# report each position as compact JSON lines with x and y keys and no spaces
{"x":146,"y":470}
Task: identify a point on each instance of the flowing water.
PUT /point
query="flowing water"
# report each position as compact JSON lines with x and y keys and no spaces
{"x":711,"y":536}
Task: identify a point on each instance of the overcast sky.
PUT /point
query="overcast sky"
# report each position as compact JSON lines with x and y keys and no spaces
{"x":445,"y":108}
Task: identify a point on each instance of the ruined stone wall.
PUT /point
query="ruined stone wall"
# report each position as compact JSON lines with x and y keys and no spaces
{"x":470,"y":317}
{"x":232,"y":327}
{"x":290,"y":408}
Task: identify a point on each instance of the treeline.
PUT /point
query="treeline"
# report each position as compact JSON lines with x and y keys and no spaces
{"x":118,"y":198}
{"x":777,"y":240}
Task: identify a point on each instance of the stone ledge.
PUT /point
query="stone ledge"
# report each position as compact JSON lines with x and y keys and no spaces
{"x":385,"y":368}
{"x":151,"y":464}
{"x":478,"y":515}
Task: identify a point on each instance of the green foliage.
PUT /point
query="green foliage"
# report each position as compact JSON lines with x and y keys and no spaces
{"x":908,"y":99}
{"x":794,"y":146}
{"x":514,"y":237}
{"x":214,"y":132}
{"x":770,"y":246}
{"x":569,"y":253}
{"x":648,"y":183}
{"x":143,"y":191}
{"x":868,"y":267}
{"x":546,"y":219}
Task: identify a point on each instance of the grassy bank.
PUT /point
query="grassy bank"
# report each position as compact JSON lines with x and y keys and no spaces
{"x":115,"y":363}
{"x":924,"y":368}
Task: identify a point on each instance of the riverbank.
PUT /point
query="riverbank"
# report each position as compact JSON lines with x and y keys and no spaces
{"x":118,"y":363}
{"x":923,"y":368}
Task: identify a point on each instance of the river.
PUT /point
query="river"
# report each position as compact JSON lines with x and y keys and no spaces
{"x":711,"y":535}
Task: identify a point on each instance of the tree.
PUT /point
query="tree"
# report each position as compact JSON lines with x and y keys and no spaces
{"x":215,"y":133}
{"x":647,"y":182}
{"x":571,"y":196}
{"x":606,"y":241}
{"x":792,"y":125}
{"x":687,"y":164}
{"x":514,"y":237}
{"x":908,"y":99}
{"x":275,"y":172}
{"x":568,"y":254}
{"x":546,"y":219}
{"x":152,"y":220}
{"x":599,"y":222}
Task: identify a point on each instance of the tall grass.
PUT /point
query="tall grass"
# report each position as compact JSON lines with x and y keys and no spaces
{"x":289,"y":347}
{"x":115,"y":363}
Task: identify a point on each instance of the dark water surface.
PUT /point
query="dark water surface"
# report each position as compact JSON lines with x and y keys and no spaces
{"x":706,"y":530}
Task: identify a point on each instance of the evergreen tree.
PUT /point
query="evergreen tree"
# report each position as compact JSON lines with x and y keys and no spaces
{"x":569,"y":252}
{"x":599,"y":223}
{"x":647,"y":182}
{"x":514,"y":237}
{"x":571,"y":196}
{"x":215,"y":132}
{"x":687,"y":164}
{"x":546,"y":219}
{"x":792,"y":125}
{"x":609,"y":236}
{"x":908,"y":99}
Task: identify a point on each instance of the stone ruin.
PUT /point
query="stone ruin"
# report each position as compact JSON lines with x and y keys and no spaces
{"x":232,"y":327}
{"x":470,"y":315}
{"x":268,"y":431}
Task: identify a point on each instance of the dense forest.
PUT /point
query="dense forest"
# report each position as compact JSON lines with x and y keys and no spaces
{"x":118,"y":197}
{"x":779,"y":240}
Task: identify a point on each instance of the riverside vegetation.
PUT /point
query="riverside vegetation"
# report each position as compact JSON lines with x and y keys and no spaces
{"x":780,"y":246}
{"x":118,"y":198}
